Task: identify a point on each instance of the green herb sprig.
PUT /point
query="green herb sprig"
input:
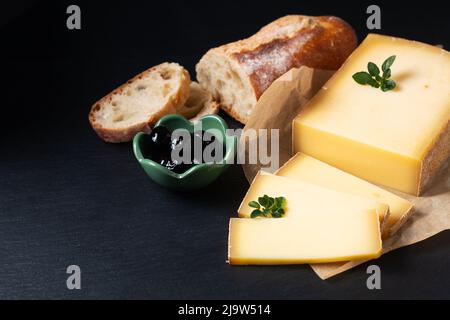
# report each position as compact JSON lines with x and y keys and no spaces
{"x":373,"y":77}
{"x":268,"y":207}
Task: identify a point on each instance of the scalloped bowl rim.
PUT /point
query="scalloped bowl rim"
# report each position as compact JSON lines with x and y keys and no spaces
{"x":230,"y":145}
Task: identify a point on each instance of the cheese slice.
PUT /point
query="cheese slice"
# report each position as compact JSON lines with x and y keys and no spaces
{"x":398,"y":138}
{"x":308,"y":169}
{"x":303,"y":198}
{"x":313,"y":237}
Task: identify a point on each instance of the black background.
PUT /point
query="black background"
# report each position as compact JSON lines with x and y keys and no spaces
{"x":68,"y":198}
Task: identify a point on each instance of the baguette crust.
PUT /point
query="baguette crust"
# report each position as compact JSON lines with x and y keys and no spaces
{"x":323,"y":43}
{"x":125,"y":134}
{"x":233,"y":112}
{"x":289,"y":42}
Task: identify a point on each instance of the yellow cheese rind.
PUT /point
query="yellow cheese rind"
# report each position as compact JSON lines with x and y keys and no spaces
{"x":309,"y":169}
{"x":304,"y":197}
{"x":311,"y":238}
{"x":383,"y":137}
{"x":436,"y":156}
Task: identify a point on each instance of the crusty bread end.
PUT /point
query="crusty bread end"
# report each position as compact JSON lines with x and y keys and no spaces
{"x":238,"y":73}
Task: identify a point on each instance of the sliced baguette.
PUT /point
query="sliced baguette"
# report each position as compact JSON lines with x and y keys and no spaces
{"x":137,"y":105}
{"x":200,"y":103}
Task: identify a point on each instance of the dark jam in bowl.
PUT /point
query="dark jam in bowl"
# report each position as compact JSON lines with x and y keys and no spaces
{"x":160,"y":144}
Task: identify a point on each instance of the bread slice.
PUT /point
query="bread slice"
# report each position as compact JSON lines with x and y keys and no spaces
{"x":209,"y":108}
{"x":137,"y":105}
{"x":195,"y":102}
{"x":200,"y":103}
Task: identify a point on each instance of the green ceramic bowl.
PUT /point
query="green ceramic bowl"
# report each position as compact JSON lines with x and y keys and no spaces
{"x":198,"y":176}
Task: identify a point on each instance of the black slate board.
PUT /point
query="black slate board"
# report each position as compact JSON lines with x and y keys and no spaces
{"x":68,"y":198}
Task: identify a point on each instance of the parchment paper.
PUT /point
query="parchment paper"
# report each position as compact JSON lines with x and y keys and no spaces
{"x":276,"y":109}
{"x":278,"y":106}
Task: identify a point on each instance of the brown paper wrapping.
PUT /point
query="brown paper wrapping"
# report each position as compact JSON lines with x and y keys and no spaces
{"x":278,"y":106}
{"x":276,"y":109}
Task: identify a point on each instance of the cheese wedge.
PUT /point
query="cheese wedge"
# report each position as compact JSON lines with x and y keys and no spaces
{"x":312,"y":238}
{"x":308,"y":169}
{"x":399,"y":138}
{"x":303,"y":198}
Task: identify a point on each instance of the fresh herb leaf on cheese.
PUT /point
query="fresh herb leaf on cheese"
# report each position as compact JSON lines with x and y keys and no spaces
{"x":268,"y":207}
{"x":373,"y":69}
{"x":374,"y":83}
{"x":256,"y":214}
{"x":362,"y":77}
{"x":254,"y":204}
{"x":373,"y":77}
{"x":388,"y":85}
{"x":388,"y":63}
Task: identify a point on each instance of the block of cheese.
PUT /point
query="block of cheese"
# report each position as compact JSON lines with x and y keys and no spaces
{"x":303,"y":198}
{"x":308,"y":169}
{"x":399,"y":138}
{"x":313,"y":237}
